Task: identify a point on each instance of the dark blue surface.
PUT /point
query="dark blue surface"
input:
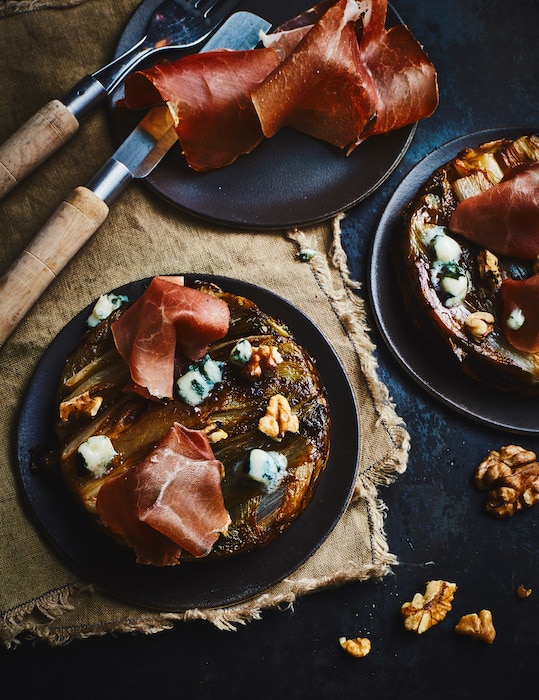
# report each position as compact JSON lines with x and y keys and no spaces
{"x":486,"y":55}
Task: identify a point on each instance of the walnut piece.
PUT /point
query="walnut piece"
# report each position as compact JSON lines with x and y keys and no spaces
{"x":425,"y":611}
{"x":479,"y":324}
{"x":501,"y":463}
{"x":83,"y":403}
{"x":214,"y":432}
{"x":511,"y":475}
{"x":523,"y":592}
{"x":358,"y":647}
{"x":279,"y":418}
{"x":489,"y":269}
{"x":216,"y":435}
{"x":262,"y":358}
{"x":477,"y":626}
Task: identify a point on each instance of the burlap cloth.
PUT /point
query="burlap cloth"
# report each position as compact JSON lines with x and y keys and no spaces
{"x":43,"y":54}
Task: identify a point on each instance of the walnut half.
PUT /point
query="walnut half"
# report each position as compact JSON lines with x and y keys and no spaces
{"x":358,"y":647}
{"x":511,"y":475}
{"x":263,"y":358}
{"x":489,"y":269}
{"x":477,"y":626}
{"x":479,"y":324}
{"x":278,"y":418}
{"x":425,"y":611}
{"x":83,"y":404}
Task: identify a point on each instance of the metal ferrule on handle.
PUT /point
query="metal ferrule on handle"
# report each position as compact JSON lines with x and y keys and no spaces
{"x":84,"y":97}
{"x":110,"y":180}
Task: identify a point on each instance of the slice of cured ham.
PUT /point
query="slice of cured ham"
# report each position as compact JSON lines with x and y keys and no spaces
{"x":317,"y":88}
{"x":521,"y":298}
{"x":169,"y":502}
{"x":117,"y":507}
{"x":405,"y":83}
{"x":503,"y":218}
{"x":349,"y":79}
{"x":209,"y":95}
{"x":168,"y":318}
{"x":179,"y":491}
{"x":333,"y":72}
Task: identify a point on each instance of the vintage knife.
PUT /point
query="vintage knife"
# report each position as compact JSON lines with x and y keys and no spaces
{"x":86,"y":208}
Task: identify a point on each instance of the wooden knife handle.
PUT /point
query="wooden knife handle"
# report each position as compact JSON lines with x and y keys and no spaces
{"x":71,"y":225}
{"x":34,"y":142}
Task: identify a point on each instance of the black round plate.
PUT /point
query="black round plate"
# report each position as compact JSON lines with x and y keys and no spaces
{"x":289,"y":180}
{"x":202,"y":584}
{"x":444,"y":380}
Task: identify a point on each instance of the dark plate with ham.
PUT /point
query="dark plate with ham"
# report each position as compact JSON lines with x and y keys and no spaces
{"x":287,"y":180}
{"x":423,"y":354}
{"x":208,"y":582}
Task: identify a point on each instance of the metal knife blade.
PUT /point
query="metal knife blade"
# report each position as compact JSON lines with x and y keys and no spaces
{"x":149,"y":142}
{"x":244,"y":35}
{"x":86,"y":208}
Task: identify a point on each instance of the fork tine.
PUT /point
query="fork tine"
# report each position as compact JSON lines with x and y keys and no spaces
{"x":200,"y":5}
{"x":214,"y":8}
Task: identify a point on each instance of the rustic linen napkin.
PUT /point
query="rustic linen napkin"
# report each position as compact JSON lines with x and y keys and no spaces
{"x":144,"y":236}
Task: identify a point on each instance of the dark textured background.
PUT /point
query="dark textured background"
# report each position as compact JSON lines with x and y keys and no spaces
{"x":485,"y":52}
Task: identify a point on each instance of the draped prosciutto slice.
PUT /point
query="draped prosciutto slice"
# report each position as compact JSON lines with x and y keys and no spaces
{"x":321,"y":88}
{"x":332,"y":72}
{"x":405,"y":83}
{"x":343,"y":87}
{"x":117,"y":507}
{"x":504,"y":218}
{"x":179,"y":491}
{"x":522,"y":297}
{"x":209,"y":97}
{"x":169,"y":502}
{"x":167,"y":318}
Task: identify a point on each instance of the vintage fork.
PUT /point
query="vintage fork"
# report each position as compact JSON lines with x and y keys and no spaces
{"x":175,"y":25}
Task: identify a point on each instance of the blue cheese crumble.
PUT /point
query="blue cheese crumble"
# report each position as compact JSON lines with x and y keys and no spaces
{"x":241,"y":352}
{"x":267,"y":468}
{"x":515,"y":320}
{"x":306,"y":254}
{"x":444,"y":248}
{"x":450,"y":280}
{"x":97,"y":453}
{"x":197,"y":383}
{"x":104,"y":306}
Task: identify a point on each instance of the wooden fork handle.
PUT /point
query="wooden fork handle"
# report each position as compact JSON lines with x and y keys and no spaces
{"x":41,"y":136}
{"x":71,"y":225}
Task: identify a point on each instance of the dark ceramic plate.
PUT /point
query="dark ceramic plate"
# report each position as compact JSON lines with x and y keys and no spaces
{"x":289,"y":180}
{"x":203,"y":584}
{"x":444,"y":380}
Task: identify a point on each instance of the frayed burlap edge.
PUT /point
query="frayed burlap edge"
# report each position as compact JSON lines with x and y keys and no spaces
{"x":9,"y":8}
{"x":48,"y":606}
{"x":228,"y":619}
{"x":349,"y":308}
